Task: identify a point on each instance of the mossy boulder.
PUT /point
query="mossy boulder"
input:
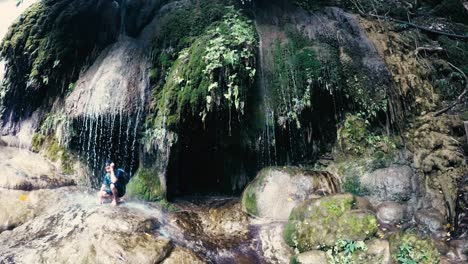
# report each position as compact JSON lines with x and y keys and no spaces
{"x":277,"y":190}
{"x":320,"y":222}
{"x":146,"y":185}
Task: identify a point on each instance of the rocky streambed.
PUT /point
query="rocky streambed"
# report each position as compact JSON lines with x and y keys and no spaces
{"x":61,"y":223}
{"x":286,"y":214}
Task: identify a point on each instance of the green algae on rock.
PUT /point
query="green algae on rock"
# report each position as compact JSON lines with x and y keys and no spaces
{"x":145,"y":185}
{"x":277,"y":190}
{"x":320,"y":222}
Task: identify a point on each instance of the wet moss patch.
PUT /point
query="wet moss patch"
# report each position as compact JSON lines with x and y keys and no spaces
{"x":146,"y":185}
{"x":318,"y":223}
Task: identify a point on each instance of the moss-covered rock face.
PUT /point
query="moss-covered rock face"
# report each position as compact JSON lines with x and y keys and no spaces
{"x":203,"y":76}
{"x":213,"y":74}
{"x":354,"y":137}
{"x":409,"y":248}
{"x":320,"y":222}
{"x":146,"y":185}
{"x":46,"y":48}
{"x":277,"y":190}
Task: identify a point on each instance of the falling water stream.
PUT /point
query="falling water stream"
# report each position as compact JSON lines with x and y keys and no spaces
{"x":107,"y":105}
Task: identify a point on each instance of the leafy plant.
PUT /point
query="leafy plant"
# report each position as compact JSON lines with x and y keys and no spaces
{"x":407,"y":254}
{"x":295,"y":70}
{"x":408,"y":248}
{"x":229,"y":54}
{"x":344,"y":250}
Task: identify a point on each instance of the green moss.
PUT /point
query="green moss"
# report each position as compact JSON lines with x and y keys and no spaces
{"x":57,"y":153}
{"x":249,"y":201}
{"x":212,"y":74}
{"x":352,"y":134}
{"x":53,"y":150}
{"x":352,"y":225}
{"x":146,"y":185}
{"x":355,"y":138}
{"x":409,"y":248}
{"x":353,"y":185}
{"x":294,"y":260}
{"x":295,"y":67}
{"x":44,"y":47}
{"x":37,"y":142}
{"x":66,"y":163}
{"x":320,"y":222}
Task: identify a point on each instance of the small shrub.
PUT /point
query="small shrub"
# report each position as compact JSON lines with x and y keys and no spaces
{"x":343,"y":252}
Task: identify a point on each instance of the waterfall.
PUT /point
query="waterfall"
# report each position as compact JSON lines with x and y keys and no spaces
{"x":123,"y":11}
{"x":268,"y":136}
{"x":107,"y":106}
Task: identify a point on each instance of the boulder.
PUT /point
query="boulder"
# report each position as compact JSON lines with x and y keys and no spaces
{"x":72,"y":229}
{"x":24,"y":170}
{"x":391,"y":213}
{"x":311,"y":257}
{"x":394,"y":183}
{"x":276,"y":191}
{"x":17,"y":206}
{"x":322,"y":221}
{"x":431,"y":220}
{"x":378,"y":251}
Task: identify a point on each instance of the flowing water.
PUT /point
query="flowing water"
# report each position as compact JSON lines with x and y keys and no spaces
{"x":108,"y":103}
{"x":217,"y":230}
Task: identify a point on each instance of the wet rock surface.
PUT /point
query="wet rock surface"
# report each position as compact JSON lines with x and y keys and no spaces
{"x":322,"y":221}
{"x":23,"y":170}
{"x":394,"y":183}
{"x":64,"y":224}
{"x":276,"y":191}
{"x":430,"y":220}
{"x":391,"y":213}
{"x":72,"y":229}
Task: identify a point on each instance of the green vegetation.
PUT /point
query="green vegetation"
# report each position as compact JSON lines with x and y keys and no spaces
{"x":230,"y":51}
{"x":344,"y":252}
{"x":145,"y":185}
{"x":54,"y":152}
{"x":213,"y":74}
{"x":46,"y":142}
{"x":355,"y":138}
{"x":295,"y":68}
{"x":353,"y":185}
{"x":249,"y":201}
{"x":320,"y":222}
{"x":408,"y":248}
{"x":45,"y":50}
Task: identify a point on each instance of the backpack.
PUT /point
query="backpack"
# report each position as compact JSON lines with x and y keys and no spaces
{"x":123,"y":177}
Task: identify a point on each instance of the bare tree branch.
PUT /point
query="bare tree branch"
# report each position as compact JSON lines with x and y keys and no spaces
{"x":426,"y":29}
{"x":460,"y":99}
{"x":429,"y":49}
